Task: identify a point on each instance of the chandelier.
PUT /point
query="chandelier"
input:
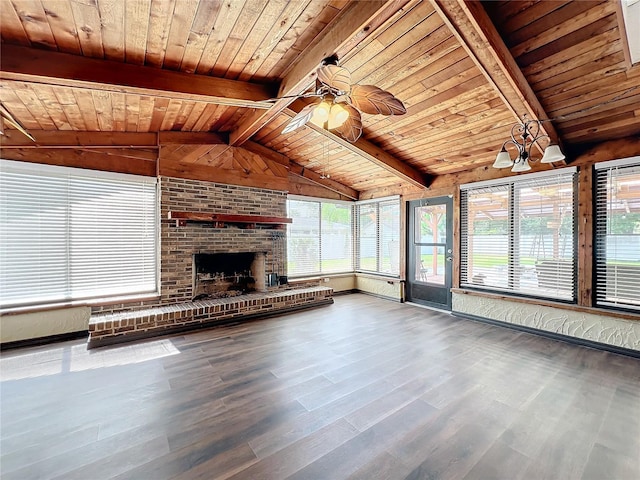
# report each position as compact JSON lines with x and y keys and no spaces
{"x":524,"y":136}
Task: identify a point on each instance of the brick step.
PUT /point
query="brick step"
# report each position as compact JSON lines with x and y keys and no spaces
{"x":110,"y":328}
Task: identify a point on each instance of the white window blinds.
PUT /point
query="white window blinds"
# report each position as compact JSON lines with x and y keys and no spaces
{"x":518,"y":235}
{"x":336,"y":227}
{"x":378,"y":234}
{"x":70,"y":234}
{"x":617,"y":234}
{"x":320,"y":239}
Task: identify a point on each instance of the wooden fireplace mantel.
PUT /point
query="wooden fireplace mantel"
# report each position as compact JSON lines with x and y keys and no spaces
{"x":220,"y":220}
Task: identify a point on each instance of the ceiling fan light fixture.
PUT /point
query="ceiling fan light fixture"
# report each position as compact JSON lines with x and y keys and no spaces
{"x":341,"y":112}
{"x":337,"y":116}
{"x":321,"y":114}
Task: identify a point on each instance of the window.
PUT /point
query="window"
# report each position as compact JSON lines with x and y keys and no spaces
{"x":518,"y":235}
{"x":320,"y":239}
{"x":70,"y":234}
{"x":617,"y":233}
{"x":378,"y":234}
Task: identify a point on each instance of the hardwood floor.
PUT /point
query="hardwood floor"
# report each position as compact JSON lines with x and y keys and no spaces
{"x":365,"y":388}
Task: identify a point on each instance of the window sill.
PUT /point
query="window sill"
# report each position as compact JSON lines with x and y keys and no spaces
{"x":375,"y":276}
{"x":80,"y":303}
{"x":320,"y":277}
{"x":550,"y":303}
{"x":379,"y":276}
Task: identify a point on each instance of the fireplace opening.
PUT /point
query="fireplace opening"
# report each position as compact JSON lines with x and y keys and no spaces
{"x":222,"y":275}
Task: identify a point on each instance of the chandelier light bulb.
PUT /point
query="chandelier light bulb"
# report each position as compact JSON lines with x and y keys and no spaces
{"x":552,"y":154}
{"x":521,"y":165}
{"x":503,"y":159}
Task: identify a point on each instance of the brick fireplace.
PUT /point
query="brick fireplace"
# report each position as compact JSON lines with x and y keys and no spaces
{"x":179,"y":244}
{"x":236,"y":267}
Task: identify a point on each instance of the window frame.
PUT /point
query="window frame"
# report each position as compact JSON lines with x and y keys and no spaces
{"x":601,"y":174}
{"x":511,"y":185}
{"x":378,"y":202}
{"x":320,"y":260}
{"x":355,"y":236}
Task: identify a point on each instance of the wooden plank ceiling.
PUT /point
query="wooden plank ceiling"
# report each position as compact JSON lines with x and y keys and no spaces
{"x":464,"y":74}
{"x":572,"y":55}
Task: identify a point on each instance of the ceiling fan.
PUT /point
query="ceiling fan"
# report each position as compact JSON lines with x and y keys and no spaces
{"x":339,"y":103}
{"x":5,"y":116}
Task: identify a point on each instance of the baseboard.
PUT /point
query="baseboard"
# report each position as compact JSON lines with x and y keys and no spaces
{"x":384,"y":297}
{"x":36,"y":342}
{"x":555,"y":336}
{"x":345,"y":292}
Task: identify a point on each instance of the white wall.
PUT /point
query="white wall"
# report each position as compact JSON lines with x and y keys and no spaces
{"x":588,"y":326}
{"x":26,"y":326}
{"x":341,"y":283}
{"x":391,"y":288}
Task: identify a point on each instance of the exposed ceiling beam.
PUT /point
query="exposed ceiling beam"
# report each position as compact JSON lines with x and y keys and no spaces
{"x":220,"y":175}
{"x":54,"y":68}
{"x":192,"y":138}
{"x":372,"y":153}
{"x":89,"y":145}
{"x":81,"y":158}
{"x":356,"y":22}
{"x":473,"y":28}
{"x":611,"y":150}
{"x":74,"y":139}
{"x":306,"y":188}
{"x":300,"y":171}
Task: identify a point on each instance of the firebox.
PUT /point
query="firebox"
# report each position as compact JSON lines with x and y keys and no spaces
{"x":221,"y":275}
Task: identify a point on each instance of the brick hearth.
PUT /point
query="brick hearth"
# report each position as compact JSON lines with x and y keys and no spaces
{"x":119,"y":327}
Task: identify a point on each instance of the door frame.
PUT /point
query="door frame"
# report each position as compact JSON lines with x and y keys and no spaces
{"x":423,"y":292}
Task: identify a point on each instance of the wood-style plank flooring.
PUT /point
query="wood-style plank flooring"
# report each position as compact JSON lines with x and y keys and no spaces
{"x":365,"y":388}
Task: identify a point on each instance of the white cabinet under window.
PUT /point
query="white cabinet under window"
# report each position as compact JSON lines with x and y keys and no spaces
{"x":70,"y":234}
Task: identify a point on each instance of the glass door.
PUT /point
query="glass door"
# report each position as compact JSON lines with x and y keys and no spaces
{"x":429,"y":251}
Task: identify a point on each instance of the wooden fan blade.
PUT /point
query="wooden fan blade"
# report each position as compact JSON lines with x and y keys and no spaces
{"x":335,"y":77}
{"x":373,"y":100}
{"x":300,"y":119}
{"x":6,"y":115}
{"x":351,"y":129}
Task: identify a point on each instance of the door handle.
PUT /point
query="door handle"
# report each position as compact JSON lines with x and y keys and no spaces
{"x":449,"y":259}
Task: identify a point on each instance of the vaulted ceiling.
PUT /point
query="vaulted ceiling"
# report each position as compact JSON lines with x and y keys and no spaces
{"x":466,"y":71}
